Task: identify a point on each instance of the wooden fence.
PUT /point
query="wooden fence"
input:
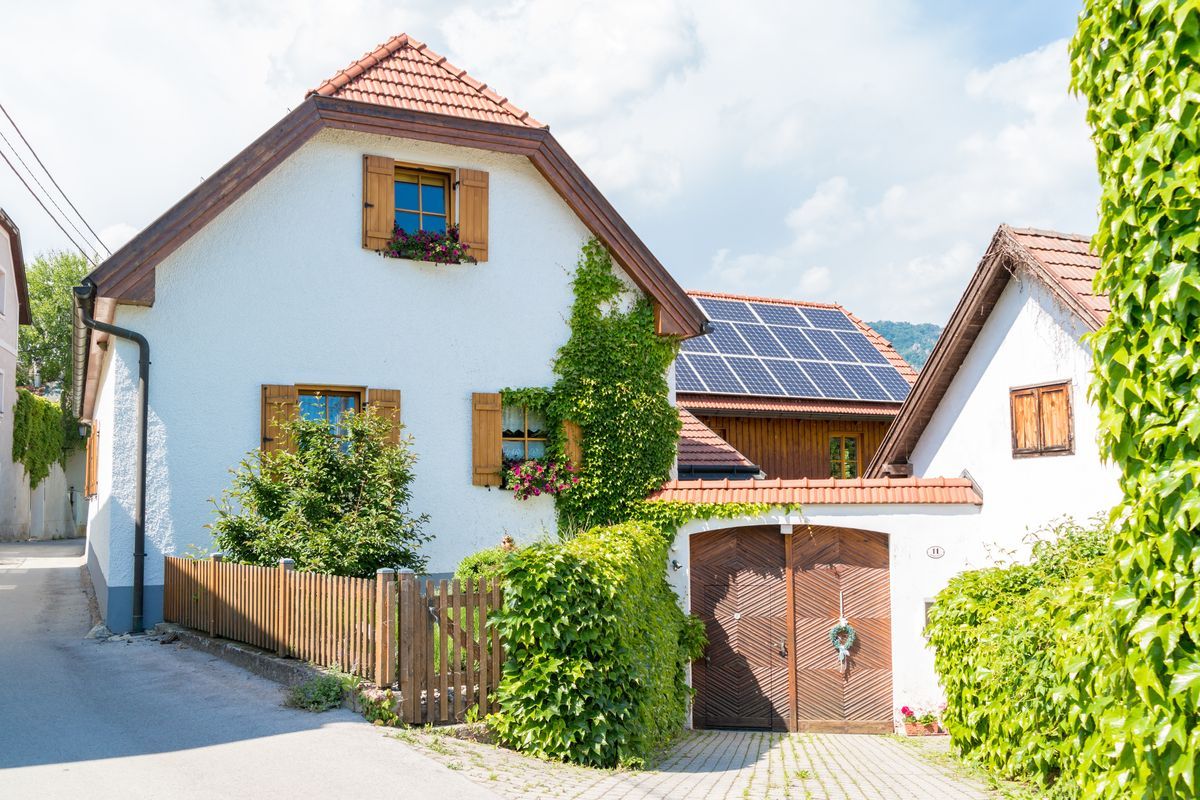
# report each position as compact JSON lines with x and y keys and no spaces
{"x":430,"y":640}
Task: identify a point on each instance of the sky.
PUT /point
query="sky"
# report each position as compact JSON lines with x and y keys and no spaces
{"x":861,"y":153}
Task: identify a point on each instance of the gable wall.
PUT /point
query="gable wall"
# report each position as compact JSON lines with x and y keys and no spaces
{"x":1029,"y":338}
{"x":277,"y":289}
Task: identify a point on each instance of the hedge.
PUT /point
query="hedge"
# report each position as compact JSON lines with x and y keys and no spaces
{"x":42,"y":435}
{"x":1010,"y":646}
{"x":597,"y":648}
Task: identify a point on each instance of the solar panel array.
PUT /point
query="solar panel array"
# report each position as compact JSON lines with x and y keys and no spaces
{"x":785,"y":351}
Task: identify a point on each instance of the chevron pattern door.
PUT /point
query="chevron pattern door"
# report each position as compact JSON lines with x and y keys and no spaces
{"x":842,"y":572}
{"x":739,"y":588}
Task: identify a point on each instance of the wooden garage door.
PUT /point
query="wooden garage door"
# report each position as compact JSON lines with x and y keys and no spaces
{"x":851,"y":566}
{"x":738,"y":588}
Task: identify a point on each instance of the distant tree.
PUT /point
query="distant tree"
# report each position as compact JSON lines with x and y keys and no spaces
{"x":44,"y":351}
{"x":913,"y":341}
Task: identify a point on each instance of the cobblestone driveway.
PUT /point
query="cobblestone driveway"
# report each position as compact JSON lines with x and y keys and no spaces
{"x":722,"y":764}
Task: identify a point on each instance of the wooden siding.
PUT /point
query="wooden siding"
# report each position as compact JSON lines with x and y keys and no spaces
{"x":795,"y":448}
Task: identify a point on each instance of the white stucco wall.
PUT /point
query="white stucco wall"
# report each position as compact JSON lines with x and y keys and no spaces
{"x":278,"y":290}
{"x":1028,"y":339}
{"x":14,"y":488}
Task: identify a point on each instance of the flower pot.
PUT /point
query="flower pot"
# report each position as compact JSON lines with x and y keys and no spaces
{"x":922,"y":729}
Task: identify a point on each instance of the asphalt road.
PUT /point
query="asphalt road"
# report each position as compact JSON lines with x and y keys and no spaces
{"x":138,"y":719}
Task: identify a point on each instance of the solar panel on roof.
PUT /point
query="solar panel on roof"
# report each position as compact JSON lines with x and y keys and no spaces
{"x":891,"y":380}
{"x":830,"y":346}
{"x":754,"y":375}
{"x":861,"y":347}
{"x":726,"y":340}
{"x":828,"y":318}
{"x":828,"y":382}
{"x":791,"y":378}
{"x":760,"y":340}
{"x":779,"y":315}
{"x":698,"y":344}
{"x":685,"y":377}
{"x":734,"y":310}
{"x":797,"y":344}
{"x":716,"y":374}
{"x":861,"y":382}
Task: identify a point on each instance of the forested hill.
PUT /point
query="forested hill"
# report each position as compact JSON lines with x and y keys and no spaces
{"x":913,"y":341}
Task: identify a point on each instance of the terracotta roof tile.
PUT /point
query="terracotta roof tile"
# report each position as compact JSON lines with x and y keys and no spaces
{"x":700,"y":446}
{"x":405,"y":73}
{"x":1066,"y":259}
{"x":810,"y":492}
{"x":782,"y":405}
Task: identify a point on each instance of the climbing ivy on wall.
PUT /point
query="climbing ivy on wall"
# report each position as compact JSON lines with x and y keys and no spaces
{"x":42,"y":435}
{"x":670,"y":515}
{"x":1139,"y":701}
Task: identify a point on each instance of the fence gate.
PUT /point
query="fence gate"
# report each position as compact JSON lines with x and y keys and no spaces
{"x":449,"y":659}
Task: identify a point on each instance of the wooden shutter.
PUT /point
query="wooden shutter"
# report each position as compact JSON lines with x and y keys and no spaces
{"x":1025,"y":438}
{"x":92,"y":461}
{"x":573,"y":442}
{"x":386,"y":403}
{"x":1054,"y":408}
{"x":379,"y":201}
{"x":486,"y":434}
{"x":280,"y":405}
{"x":473,"y":212}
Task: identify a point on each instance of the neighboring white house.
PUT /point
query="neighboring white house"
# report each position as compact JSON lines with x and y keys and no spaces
{"x":996,"y":439}
{"x":262,"y":291}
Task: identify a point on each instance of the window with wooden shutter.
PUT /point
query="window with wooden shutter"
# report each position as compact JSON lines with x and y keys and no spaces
{"x":385,"y":403}
{"x":280,"y":405}
{"x":473,"y":212}
{"x":92,"y":462}
{"x":486,"y":438}
{"x":379,"y":201}
{"x":1041,"y":420}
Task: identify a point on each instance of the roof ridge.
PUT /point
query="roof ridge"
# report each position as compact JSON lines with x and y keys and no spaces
{"x":783,"y":301}
{"x":1073,"y":237}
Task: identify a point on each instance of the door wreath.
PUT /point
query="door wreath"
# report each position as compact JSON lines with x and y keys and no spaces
{"x":842,"y":637}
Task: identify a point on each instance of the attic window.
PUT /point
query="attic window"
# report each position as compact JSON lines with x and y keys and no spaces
{"x":423,"y":200}
{"x":1041,"y":420}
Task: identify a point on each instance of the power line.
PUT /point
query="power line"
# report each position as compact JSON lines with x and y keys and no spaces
{"x":82,"y":219}
{"x":48,"y":213}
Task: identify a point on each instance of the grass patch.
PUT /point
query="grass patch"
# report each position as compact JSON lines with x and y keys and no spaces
{"x":316,"y":694}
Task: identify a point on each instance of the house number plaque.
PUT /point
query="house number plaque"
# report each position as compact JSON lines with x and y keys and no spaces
{"x":935,"y":551}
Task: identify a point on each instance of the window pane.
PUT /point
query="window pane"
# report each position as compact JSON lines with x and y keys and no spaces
{"x":433,"y":197}
{"x":410,"y":223}
{"x":406,"y":194}
{"x":432,"y":223}
{"x":537,"y":449}
{"x":536,"y":424}
{"x":312,"y":406}
{"x":835,"y":448}
{"x":513,"y":450}
{"x":513,"y":422}
{"x":851,"y":445}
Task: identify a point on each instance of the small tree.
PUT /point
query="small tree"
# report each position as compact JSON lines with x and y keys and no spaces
{"x":336,"y":504}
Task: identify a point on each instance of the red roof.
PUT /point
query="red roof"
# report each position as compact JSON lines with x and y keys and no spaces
{"x":810,"y":492}
{"x":881,"y":344}
{"x":700,"y":446}
{"x":405,"y":73}
{"x":775,"y":406}
{"x":1067,"y":260}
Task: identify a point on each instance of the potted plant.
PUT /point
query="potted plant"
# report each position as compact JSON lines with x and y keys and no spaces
{"x":433,"y":246}
{"x":535,"y":477}
{"x":920,"y":721}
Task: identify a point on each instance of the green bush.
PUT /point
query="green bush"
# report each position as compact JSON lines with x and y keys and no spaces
{"x":487,"y":563}
{"x":597,"y":647}
{"x":42,"y":435}
{"x":338,"y":504}
{"x":1010,"y":643}
{"x":316,"y":694}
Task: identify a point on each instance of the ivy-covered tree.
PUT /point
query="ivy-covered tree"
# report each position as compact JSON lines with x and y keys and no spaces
{"x":44,"y":350}
{"x":1136,"y":63}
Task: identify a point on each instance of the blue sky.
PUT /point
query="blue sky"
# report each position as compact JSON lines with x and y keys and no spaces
{"x":862,"y":153}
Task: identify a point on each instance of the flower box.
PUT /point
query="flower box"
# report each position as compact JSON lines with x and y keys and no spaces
{"x":923,"y":729}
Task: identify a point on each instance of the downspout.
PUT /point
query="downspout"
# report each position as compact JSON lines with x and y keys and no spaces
{"x":85,"y":296}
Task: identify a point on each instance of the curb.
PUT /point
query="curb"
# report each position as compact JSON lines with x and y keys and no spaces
{"x":286,"y":671}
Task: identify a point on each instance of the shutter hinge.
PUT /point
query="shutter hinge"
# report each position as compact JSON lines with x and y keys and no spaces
{"x":368,"y":205}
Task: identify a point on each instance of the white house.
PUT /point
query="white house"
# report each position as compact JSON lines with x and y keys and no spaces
{"x":996,"y":439}
{"x":262,"y":290}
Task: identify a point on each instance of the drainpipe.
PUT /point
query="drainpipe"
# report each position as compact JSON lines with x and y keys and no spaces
{"x":85,"y":295}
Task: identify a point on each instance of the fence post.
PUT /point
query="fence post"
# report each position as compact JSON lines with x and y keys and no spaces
{"x":385,"y":627}
{"x":404,"y":667}
{"x":211,"y":590}
{"x":283,"y":607}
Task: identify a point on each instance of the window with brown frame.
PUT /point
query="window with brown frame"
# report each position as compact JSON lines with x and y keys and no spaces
{"x":1042,"y":423}
{"x":328,"y":403}
{"x":844,"y":455}
{"x":424,"y":199}
{"x":523,"y":434}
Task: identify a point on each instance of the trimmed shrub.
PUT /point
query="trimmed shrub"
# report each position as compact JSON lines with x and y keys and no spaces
{"x":1010,"y":645}
{"x":487,"y":563}
{"x":597,"y":647}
